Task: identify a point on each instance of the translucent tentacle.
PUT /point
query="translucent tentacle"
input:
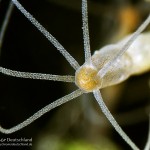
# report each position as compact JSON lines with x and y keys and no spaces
{"x":39,"y":76}
{"x":52,"y":39}
{"x":147,"y":146}
{"x":42,"y":112}
{"x":86,"y":31}
{"x":107,"y":113}
{"x":5,"y":23}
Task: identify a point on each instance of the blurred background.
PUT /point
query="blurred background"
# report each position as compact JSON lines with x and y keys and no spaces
{"x":78,"y":124}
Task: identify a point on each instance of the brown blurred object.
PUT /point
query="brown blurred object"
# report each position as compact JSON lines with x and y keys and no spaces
{"x":129,"y":18}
